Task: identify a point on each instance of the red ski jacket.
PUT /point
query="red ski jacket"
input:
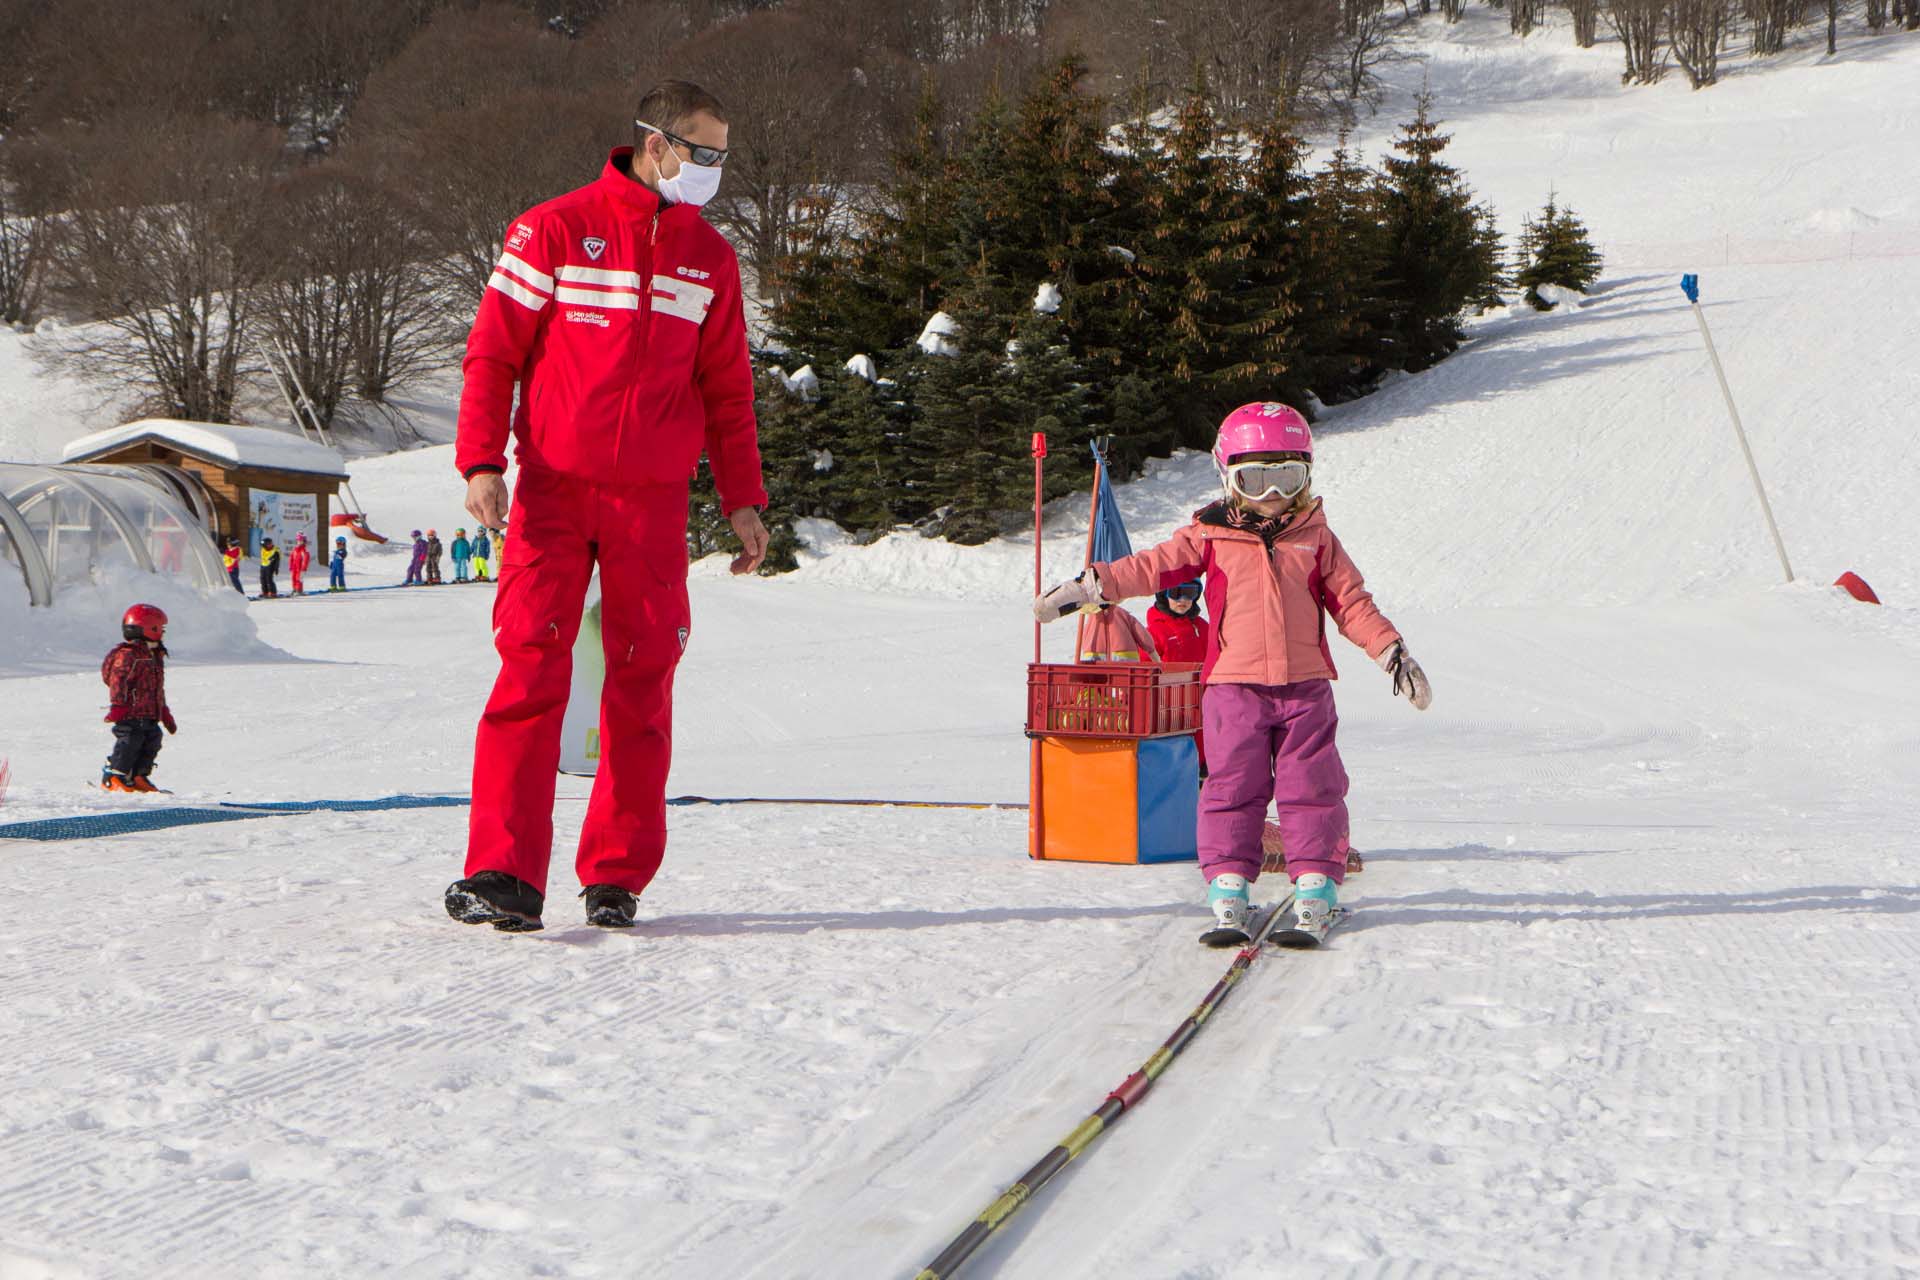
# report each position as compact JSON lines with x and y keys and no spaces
{"x":135,"y":673}
{"x":621,"y":320}
{"x":1179,"y":639}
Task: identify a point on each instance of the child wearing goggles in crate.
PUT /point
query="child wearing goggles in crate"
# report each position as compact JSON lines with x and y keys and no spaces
{"x":1271,"y":571}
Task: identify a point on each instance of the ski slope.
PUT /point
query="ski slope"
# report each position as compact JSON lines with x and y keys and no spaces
{"x":1629,"y":988}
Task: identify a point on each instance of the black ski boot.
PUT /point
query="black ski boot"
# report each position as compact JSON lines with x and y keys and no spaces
{"x":498,"y":899}
{"x":609,"y":906}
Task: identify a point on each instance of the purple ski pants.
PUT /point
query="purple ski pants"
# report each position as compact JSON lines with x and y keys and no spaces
{"x":1273,"y":742}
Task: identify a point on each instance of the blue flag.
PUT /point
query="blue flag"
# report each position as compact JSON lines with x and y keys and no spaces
{"x":1110,"y":540}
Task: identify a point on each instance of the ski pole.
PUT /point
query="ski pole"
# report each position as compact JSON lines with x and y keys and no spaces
{"x":1690,"y":285}
{"x":1106,"y":1115}
{"x":1036,"y":818}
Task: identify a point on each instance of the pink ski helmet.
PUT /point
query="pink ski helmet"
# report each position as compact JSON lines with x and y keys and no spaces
{"x":1264,"y":427}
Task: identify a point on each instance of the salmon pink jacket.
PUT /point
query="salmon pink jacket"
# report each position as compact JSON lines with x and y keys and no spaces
{"x":1269,"y":606}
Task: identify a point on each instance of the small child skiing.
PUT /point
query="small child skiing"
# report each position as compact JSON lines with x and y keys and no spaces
{"x":1271,"y":568}
{"x":416,"y":565}
{"x":230,"y":556}
{"x":135,"y":673}
{"x":482,"y":550}
{"x":462,"y":553}
{"x":298,"y":560}
{"x":433,"y":558}
{"x":337,"y":566}
{"x":1180,"y":634}
{"x":269,"y":565}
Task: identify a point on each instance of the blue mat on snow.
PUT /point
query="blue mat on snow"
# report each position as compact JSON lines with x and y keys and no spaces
{"x":92,"y":825}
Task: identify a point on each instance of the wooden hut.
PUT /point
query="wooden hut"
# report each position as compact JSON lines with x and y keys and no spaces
{"x":260,"y":483}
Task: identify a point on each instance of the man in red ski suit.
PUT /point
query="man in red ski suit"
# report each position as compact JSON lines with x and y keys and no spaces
{"x":617,"y":310}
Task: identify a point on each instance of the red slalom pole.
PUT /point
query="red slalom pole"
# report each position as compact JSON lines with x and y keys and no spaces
{"x":1036,"y":829}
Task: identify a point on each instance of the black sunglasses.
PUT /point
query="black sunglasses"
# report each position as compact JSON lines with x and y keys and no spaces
{"x":705,"y":157}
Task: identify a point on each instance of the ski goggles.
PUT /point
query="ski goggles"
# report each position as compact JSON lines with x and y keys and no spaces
{"x":1259,"y":480}
{"x":1185,"y":591}
{"x":705,"y":157}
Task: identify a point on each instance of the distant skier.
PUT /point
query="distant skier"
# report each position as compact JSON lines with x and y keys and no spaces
{"x":1271,"y":566}
{"x":269,"y":565}
{"x":337,"y":567}
{"x":298,"y":561}
{"x":482,"y":551}
{"x":135,"y":673}
{"x":230,"y":556}
{"x":462,"y":553}
{"x":434,"y":552}
{"x":417,"y":565}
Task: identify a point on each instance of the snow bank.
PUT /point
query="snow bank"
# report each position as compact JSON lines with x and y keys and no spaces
{"x":84,"y":622}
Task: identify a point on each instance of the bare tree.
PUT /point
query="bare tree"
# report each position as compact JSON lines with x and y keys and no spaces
{"x":23,"y":248}
{"x":1586,"y":21}
{"x":167,"y":254}
{"x":1768,"y":23}
{"x":102,"y":58}
{"x":484,"y":115}
{"x":1637,"y":23}
{"x":1695,"y":29}
{"x":800,"y":123}
{"x":1524,"y":15}
{"x":1876,"y":15}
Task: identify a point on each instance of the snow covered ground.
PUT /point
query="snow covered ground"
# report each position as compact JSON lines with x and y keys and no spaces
{"x":1630,"y":987}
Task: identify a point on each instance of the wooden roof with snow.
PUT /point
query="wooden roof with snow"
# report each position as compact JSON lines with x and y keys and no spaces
{"x":233,"y":448}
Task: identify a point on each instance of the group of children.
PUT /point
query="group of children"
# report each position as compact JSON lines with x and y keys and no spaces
{"x":299,"y":560}
{"x":1270,"y":571}
{"x":470,"y":557}
{"x":471,"y":561}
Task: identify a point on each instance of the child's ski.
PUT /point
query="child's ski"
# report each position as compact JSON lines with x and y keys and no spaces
{"x":1257,"y":927}
{"x":1308,"y":934}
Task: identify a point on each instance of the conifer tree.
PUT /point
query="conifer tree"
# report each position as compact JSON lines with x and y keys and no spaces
{"x":1340,"y":327}
{"x":1555,"y":250}
{"x":1263,"y":356}
{"x":1437,"y":259}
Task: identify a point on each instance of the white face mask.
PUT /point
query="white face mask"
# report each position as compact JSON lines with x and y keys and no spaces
{"x":694,"y":184}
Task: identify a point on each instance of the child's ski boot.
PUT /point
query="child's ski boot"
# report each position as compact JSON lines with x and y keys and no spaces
{"x":1315,"y":908}
{"x":1232,"y":911}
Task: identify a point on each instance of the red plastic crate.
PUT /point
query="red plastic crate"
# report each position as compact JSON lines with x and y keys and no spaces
{"x":1113,"y":699}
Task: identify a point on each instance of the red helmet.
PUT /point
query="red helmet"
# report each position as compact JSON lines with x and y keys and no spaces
{"x":144,"y":620}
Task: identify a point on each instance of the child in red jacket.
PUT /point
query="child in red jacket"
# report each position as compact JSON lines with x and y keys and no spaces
{"x":135,"y":672}
{"x":299,"y":560}
{"x":1178,"y":630}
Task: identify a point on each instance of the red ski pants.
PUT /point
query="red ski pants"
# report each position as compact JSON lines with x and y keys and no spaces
{"x":558,"y":528}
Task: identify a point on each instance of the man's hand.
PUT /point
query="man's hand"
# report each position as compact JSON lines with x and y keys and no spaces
{"x":753,"y":539}
{"x":487,"y":499}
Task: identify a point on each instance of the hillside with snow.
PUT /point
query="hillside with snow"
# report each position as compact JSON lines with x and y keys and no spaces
{"x":1628,"y":987}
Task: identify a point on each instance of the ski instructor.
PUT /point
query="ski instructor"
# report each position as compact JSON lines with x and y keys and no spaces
{"x":616,"y":309}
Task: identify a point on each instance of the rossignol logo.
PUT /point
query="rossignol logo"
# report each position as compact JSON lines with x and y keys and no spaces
{"x":683,"y":639}
{"x":692,"y":273}
{"x":594,"y":246}
{"x":585,"y":317}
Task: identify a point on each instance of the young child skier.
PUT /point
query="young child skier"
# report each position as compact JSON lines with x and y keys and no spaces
{"x":135,"y":673}
{"x":269,"y":565}
{"x":1174,"y":622}
{"x":434,"y":550}
{"x":230,"y":556}
{"x":337,"y":567}
{"x":462,"y":552}
{"x":1271,"y":567}
{"x":418,"y":564}
{"x":482,"y":549}
{"x":298,"y":561}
